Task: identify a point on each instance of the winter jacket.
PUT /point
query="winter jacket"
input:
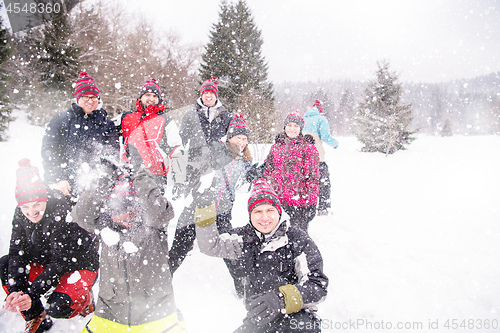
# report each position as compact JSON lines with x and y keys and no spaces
{"x":73,"y":138}
{"x":55,"y":242}
{"x":135,"y":282}
{"x":293,"y":171}
{"x":202,"y":127}
{"x":287,"y":256}
{"x":317,"y":125}
{"x":157,"y":139}
{"x":227,"y":180}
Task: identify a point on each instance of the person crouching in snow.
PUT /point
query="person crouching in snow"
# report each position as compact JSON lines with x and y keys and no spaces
{"x":131,"y":215}
{"x":292,"y":170}
{"x":281,"y":265}
{"x":47,"y":250}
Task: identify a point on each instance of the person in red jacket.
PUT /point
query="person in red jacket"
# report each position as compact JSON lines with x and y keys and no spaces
{"x":293,"y":171}
{"x":155,"y":135}
{"x":49,"y":256}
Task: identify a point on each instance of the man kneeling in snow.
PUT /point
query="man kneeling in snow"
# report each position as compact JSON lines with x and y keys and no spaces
{"x":280,"y":265}
{"x":46,"y":251}
{"x":131,"y":216}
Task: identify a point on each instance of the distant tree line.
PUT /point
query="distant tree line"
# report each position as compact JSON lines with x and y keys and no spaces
{"x":121,"y":50}
{"x":456,"y":107}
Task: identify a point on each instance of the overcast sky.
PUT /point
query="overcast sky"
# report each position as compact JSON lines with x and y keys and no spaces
{"x":425,"y":40}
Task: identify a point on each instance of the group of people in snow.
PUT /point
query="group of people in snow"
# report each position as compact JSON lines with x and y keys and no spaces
{"x":102,"y":210}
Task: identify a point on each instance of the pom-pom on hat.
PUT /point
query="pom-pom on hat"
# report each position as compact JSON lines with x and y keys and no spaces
{"x":85,"y":85}
{"x":151,"y":86}
{"x":123,"y":198}
{"x":210,"y":85}
{"x":238,"y":126}
{"x":318,"y":105}
{"x":295,"y":117}
{"x":262,"y":193}
{"x":29,"y":185}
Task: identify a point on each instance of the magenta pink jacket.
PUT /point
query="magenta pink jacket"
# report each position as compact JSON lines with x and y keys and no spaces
{"x":293,"y":171}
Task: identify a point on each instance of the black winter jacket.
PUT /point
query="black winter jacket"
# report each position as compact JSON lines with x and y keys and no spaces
{"x":72,"y":138}
{"x":203,"y":137}
{"x":289,"y":256}
{"x":56,"y":243}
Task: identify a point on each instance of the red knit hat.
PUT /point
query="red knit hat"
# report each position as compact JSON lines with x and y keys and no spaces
{"x":85,"y":85}
{"x":318,"y":105}
{"x":295,"y":117}
{"x":237,"y":126}
{"x":210,"y":85}
{"x":262,"y":193}
{"x":29,"y":185}
{"x":151,"y":86}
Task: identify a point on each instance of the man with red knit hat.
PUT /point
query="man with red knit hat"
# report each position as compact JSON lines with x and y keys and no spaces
{"x":202,"y":128}
{"x":281,"y":266}
{"x":49,"y":256}
{"x":76,"y":138}
{"x":155,"y":135}
{"x":317,"y":126}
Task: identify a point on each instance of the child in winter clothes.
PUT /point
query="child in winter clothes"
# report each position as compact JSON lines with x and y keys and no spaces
{"x":202,"y":129}
{"x":131,"y":216}
{"x":47,"y":250}
{"x":155,"y":135}
{"x":74,"y":140}
{"x":292,"y":170}
{"x":281,"y":265}
{"x":317,"y":126}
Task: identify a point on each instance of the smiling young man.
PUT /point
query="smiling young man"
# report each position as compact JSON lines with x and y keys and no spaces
{"x":280,"y":264}
{"x":46,"y":251}
{"x":153,"y":132}
{"x":202,"y":129}
{"x":74,"y":140}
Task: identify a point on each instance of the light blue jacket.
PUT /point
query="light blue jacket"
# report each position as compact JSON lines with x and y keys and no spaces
{"x":316,"y":123}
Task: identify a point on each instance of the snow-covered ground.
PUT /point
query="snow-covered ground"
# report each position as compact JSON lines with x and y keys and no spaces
{"x":413,"y":245}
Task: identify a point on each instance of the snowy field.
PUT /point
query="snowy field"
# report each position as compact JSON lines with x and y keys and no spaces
{"x":413,"y":245}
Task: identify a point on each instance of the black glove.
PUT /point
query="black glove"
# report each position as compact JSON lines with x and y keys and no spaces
{"x":309,"y":138}
{"x":264,"y":308}
{"x":110,"y":172}
{"x":134,"y":156}
{"x":256,"y":171}
{"x":178,"y":190}
{"x":109,"y":167}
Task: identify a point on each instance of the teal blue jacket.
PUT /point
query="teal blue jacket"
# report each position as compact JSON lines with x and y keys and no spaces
{"x":315,"y":122}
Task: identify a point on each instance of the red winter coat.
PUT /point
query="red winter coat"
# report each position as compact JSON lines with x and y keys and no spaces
{"x":155,"y":136}
{"x":293,"y":171}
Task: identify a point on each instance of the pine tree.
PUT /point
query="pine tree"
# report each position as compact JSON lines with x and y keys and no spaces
{"x":5,"y":104}
{"x":234,"y":56}
{"x":59,"y":58}
{"x":382,"y":120}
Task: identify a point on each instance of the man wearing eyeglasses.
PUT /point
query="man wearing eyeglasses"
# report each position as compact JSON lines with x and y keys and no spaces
{"x":74,"y":140}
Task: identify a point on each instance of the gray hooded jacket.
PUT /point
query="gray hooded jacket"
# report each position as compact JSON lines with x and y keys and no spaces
{"x":135,"y":282}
